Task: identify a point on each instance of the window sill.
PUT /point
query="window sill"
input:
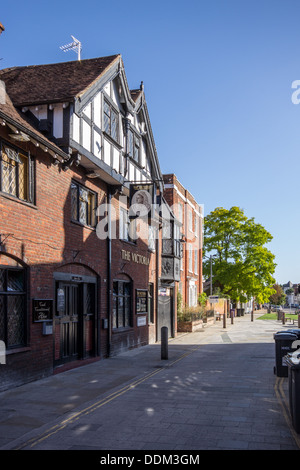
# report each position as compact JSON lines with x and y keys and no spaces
{"x":20,"y":201}
{"x":17,"y":350}
{"x":137,"y":163}
{"x":93,"y":229}
{"x":128,"y":242}
{"x":124,"y":329}
{"x":112,"y":140}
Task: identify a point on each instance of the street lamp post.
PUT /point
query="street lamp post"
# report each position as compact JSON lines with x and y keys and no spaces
{"x":210,"y":274}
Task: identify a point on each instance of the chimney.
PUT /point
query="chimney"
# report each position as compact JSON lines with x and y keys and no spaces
{"x":1,"y":28}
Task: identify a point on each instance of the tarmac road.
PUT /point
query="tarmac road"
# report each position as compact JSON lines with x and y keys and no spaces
{"x":216,"y":391}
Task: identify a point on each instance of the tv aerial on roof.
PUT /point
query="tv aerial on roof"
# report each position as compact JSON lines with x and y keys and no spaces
{"x":73,"y":46}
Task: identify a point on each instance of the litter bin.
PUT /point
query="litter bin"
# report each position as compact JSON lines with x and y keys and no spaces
{"x":294,"y":331}
{"x":293,"y":364}
{"x":283,"y":345}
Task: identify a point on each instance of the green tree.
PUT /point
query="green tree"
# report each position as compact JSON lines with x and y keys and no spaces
{"x":278,"y":298}
{"x":242,"y":266}
{"x":290,"y":291}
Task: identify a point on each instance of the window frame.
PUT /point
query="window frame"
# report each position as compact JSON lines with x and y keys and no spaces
{"x":107,"y":129}
{"x":90,"y":216}
{"x":29,"y":180}
{"x":6,"y":293}
{"x":116,"y":304}
{"x":133,"y":146}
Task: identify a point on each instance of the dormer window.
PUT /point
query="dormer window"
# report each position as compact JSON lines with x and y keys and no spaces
{"x":110,"y":121}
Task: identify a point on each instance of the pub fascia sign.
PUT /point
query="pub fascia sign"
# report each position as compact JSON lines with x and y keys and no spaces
{"x":135,"y":257}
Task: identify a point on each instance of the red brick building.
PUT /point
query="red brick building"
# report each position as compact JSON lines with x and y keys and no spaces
{"x":190,"y":215}
{"x":78,"y":279}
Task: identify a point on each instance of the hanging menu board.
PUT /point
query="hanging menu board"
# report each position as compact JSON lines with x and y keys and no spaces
{"x":141,"y":301}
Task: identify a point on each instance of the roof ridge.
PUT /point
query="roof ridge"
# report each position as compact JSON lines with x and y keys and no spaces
{"x":58,"y":63}
{"x":60,"y":81}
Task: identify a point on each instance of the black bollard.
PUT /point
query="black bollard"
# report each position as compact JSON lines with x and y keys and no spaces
{"x":164,"y":342}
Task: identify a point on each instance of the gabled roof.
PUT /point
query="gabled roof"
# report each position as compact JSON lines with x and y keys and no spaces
{"x":38,"y":84}
{"x":17,"y":121}
{"x":135,"y":94}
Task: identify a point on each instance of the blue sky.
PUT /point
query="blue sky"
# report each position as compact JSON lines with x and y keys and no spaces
{"x":218,"y":81}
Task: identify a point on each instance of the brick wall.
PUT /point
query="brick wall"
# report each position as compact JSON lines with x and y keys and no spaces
{"x":177,"y":195}
{"x":44,"y":240}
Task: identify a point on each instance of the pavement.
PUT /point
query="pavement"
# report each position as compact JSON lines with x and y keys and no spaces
{"x":216,"y":391}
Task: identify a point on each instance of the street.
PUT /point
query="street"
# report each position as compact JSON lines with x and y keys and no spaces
{"x":216,"y":391}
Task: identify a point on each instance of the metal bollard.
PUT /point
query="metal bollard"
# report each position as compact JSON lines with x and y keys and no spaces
{"x":252,"y":315}
{"x":164,"y":342}
{"x":283,"y":318}
{"x":231,"y":314}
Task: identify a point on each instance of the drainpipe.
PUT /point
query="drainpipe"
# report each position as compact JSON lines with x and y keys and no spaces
{"x":109,"y":269}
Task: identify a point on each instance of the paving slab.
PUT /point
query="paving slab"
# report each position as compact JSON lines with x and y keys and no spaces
{"x":216,"y":391}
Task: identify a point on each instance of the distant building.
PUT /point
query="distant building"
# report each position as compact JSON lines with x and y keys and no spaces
{"x":292,"y":298}
{"x":189,"y":214}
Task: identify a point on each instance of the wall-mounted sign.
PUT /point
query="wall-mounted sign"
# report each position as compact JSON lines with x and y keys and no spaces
{"x":60,"y":301}
{"x":42,"y":310}
{"x":135,"y":257}
{"x":164,"y":291}
{"x":142,"y":321}
{"x":141,"y":301}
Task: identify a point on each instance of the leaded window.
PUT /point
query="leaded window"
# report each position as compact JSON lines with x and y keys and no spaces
{"x":83,"y":205}
{"x":133,"y":145}
{"x":110,"y":121}
{"x":122,"y":314}
{"x":17,"y":176}
{"x":12,"y":307}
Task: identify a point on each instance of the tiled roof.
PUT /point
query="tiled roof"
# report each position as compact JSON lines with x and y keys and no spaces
{"x":10,"y":114}
{"x":37,"y":84}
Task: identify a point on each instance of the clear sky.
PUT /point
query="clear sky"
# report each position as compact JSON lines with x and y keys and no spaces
{"x":218,"y":80}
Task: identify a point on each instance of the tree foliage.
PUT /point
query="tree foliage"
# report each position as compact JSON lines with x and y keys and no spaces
{"x":242,"y":266}
{"x":278,"y":298}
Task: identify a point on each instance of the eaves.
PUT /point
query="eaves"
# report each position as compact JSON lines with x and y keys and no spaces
{"x":54,"y":150}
